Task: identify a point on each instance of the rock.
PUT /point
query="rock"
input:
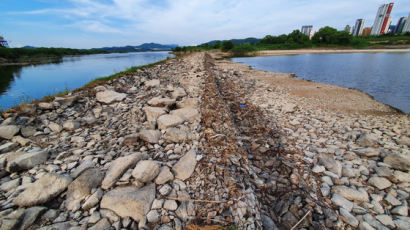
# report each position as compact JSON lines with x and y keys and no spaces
{"x":45,"y":106}
{"x":55,"y":127}
{"x":28,"y":131}
{"x":288,"y":108}
{"x":166,"y":121}
{"x":365,"y":226}
{"x":25,"y":160}
{"x":386,"y":220}
{"x":145,"y":171}
{"x":150,"y":136}
{"x":118,"y":167}
{"x":29,"y":109}
{"x":165,"y":190}
{"x":185,"y":166}
{"x":9,"y":185}
{"x":8,"y":131}
{"x":66,"y":101}
{"x":30,"y":216}
{"x":373,"y":222}
{"x":318,"y":169}
{"x":152,"y":216}
{"x":175,"y":135}
{"x":401,"y":176}
{"x":342,"y":202}
{"x":152,"y":113}
{"x":379,"y":182}
{"x":131,"y":140}
{"x":392,"y":200}
{"x":349,"y":218}
{"x":161,"y":102}
{"x":400,"y":210}
{"x":367,"y":140}
{"x":93,"y":200}
{"x":268,"y":223}
{"x":187,"y":114}
{"x":129,"y":201}
{"x":351,"y":193}
{"x":109,"y":96}
{"x":164,"y":176}
{"x":152,"y":83}
{"x":403,"y":141}
{"x":402,"y":223}
{"x":367,"y":152}
{"x":81,"y":187}
{"x":170,"y":205}
{"x":330,"y":163}
{"x":189,"y":102}
{"x":71,"y":125}
{"x":21,"y":140}
{"x":178,"y":92}
{"x":60,"y":226}
{"x":398,"y":161}
{"x":7,"y":147}
{"x":81,"y":168}
{"x":43,"y":190}
{"x":101,"y":225}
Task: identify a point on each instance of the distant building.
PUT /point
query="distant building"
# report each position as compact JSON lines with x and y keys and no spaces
{"x":406,"y":27}
{"x":392,"y":28}
{"x":3,"y":42}
{"x":382,"y":20}
{"x":358,"y":27}
{"x":366,"y":31}
{"x":307,"y":30}
{"x":400,"y":25}
{"x":349,"y":29}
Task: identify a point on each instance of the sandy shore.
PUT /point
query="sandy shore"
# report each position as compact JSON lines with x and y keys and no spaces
{"x":327,"y":51}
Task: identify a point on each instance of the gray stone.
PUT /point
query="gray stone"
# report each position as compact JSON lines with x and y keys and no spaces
{"x":398,"y":161}
{"x":7,"y":147}
{"x":350,"y":219}
{"x":152,"y":83}
{"x":152,"y":216}
{"x":178,"y":92}
{"x":26,"y":160}
{"x":367,"y":140}
{"x":400,"y":210}
{"x":386,"y":220}
{"x":170,"y":205}
{"x":55,"y":127}
{"x":165,"y":190}
{"x":342,"y":202}
{"x":379,"y":182}
{"x":402,"y":223}
{"x":152,"y":113}
{"x":367,"y":152}
{"x":101,"y":225}
{"x":365,"y":226}
{"x":403,"y":141}
{"x":60,"y":226}
{"x":21,"y":140}
{"x":187,"y":114}
{"x":351,"y":193}
{"x":9,"y":185}
{"x":129,"y":201}
{"x":374,"y":223}
{"x":392,"y":200}
{"x":106,"y":213}
{"x":401,"y":176}
{"x":81,"y":168}
{"x":45,"y":106}
{"x":318,"y":169}
{"x":161,"y":102}
{"x":189,"y":102}
{"x":93,"y":200}
{"x":44,"y":189}
{"x":167,"y":121}
{"x":8,"y":131}
{"x":185,"y":166}
{"x":71,"y":125}
{"x":81,"y":187}
{"x":118,"y":167}
{"x":145,"y":171}
{"x":157,"y":204}
{"x":150,"y":136}
{"x":288,"y":108}
{"x":29,"y":109}
{"x":109,"y":96}
{"x":175,"y":135}
{"x":330,"y":163}
{"x":164,"y":176}
{"x":30,"y":216}
{"x":131,"y":140}
{"x":268,"y":223}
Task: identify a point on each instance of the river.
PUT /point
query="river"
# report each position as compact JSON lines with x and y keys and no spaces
{"x":385,"y":76}
{"x":24,"y":83}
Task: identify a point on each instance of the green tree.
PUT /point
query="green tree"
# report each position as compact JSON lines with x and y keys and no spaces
{"x":297,"y":37}
{"x":217,"y":45}
{"x":227,"y":45}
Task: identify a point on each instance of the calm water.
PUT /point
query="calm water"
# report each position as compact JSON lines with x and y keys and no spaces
{"x":385,"y":76}
{"x":19,"y":83}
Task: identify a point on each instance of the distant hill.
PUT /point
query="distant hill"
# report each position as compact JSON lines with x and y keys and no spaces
{"x":237,"y":41}
{"x":143,"y":47}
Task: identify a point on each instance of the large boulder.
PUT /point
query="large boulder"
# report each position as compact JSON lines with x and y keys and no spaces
{"x":398,"y":161}
{"x":130,"y":201}
{"x":110,"y":96}
{"x":185,"y":166}
{"x":189,"y":102}
{"x":166,"y":121}
{"x":81,"y":187}
{"x":8,"y":131}
{"x":351,"y":193}
{"x":367,"y":140}
{"x":118,"y":167}
{"x":152,"y":113}
{"x":25,"y":160}
{"x":145,"y":171}
{"x":44,"y":189}
{"x":176,"y":135}
{"x":187,"y":114}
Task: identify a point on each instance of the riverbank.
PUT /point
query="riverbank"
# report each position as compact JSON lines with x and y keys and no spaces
{"x":196,"y":141}
{"x":325,"y":51}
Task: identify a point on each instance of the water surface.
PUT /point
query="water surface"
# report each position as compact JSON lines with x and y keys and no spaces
{"x":22,"y":83}
{"x":385,"y":76}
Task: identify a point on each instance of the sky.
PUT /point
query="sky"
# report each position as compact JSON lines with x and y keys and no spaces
{"x":98,"y":23}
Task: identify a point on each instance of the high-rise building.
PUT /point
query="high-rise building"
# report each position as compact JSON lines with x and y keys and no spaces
{"x":406,"y":27}
{"x":358,"y":27}
{"x":307,"y":30}
{"x":400,"y":25}
{"x":349,"y":29}
{"x":366,"y":31}
{"x":381,"y":22}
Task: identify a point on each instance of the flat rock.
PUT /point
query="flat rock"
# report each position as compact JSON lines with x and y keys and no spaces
{"x":150,"y":136}
{"x":367,"y":152}
{"x":398,"y":161}
{"x":29,"y":109}
{"x":330,"y":163}
{"x":8,"y":131}
{"x":31,"y":215}
{"x":152,"y":113}
{"x":164,"y":176}
{"x":386,"y":220}
{"x":71,"y":125}
{"x":367,"y":140}
{"x":161,"y":102}
{"x":109,"y":96}
{"x":145,"y":171}
{"x":175,"y":135}
{"x":342,"y":202}
{"x":55,"y":127}
{"x":178,"y":92}
{"x":131,"y":140}
{"x":118,"y":167}
{"x":167,"y":121}
{"x":189,"y":102}
{"x":45,"y":106}
{"x":152,"y":83}
{"x":8,"y":146}
{"x":349,"y":218}
{"x":187,"y":114}
{"x":101,"y":225}
{"x":44,"y":189}
{"x":288,"y":108}
{"x":170,"y":205}
{"x":25,"y":160}
{"x":185,"y":166}
{"x":351,"y":193}
{"x":379,"y":182}
{"x":93,"y":200}
{"x":403,"y":141}
{"x":81,"y":187}
{"x":129,"y":201}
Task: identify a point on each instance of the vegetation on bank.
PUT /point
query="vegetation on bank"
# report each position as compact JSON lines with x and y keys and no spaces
{"x":18,"y":55}
{"x":325,"y":37}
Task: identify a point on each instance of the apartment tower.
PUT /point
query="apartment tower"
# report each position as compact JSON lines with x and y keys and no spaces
{"x":382,"y":21}
{"x":358,"y":27}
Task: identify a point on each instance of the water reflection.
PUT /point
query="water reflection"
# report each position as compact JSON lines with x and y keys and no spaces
{"x":7,"y":75}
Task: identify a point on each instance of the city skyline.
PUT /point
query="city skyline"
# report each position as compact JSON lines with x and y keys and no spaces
{"x":92,"y":23}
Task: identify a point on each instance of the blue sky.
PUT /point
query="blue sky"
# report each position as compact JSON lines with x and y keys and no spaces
{"x":97,"y":23}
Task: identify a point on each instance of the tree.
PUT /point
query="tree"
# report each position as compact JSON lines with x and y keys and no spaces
{"x":297,"y":37}
{"x":329,"y":35}
{"x":227,"y":45}
{"x":217,"y":45}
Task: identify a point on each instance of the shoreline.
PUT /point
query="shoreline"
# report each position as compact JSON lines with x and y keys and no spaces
{"x":325,"y":51}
